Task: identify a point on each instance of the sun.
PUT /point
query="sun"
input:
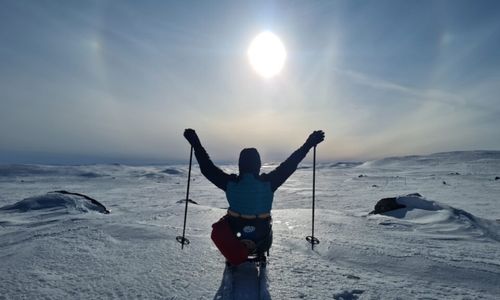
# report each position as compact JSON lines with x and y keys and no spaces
{"x":267,"y":54}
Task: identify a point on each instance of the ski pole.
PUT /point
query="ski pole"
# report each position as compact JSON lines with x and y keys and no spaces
{"x":311,"y":239}
{"x":182,"y":239}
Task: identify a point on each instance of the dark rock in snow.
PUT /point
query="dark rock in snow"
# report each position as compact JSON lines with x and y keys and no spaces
{"x":444,"y":182}
{"x":348,"y":295}
{"x":414,"y":195}
{"x":361,"y":176}
{"x":90,"y":175}
{"x":189,"y":200}
{"x":497,"y":178}
{"x":102,"y":208}
{"x":374,"y":185}
{"x":385,"y":205}
{"x":172,"y":171}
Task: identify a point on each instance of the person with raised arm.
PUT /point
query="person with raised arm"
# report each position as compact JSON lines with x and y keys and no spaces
{"x":246,"y":229}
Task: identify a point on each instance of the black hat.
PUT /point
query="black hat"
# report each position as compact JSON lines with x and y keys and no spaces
{"x":249,"y":161}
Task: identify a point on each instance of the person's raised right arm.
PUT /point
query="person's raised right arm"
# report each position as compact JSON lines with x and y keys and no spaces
{"x":207,"y":167}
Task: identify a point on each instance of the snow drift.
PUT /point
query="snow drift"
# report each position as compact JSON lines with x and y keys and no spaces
{"x":57,"y":200}
{"x":434,"y":217}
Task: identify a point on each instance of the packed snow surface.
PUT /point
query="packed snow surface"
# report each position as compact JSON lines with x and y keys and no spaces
{"x":444,"y":244}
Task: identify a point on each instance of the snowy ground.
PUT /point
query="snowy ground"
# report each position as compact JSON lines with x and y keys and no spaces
{"x":445,"y":245}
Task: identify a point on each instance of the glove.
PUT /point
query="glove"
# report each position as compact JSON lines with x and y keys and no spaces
{"x":315,"y":138}
{"x":192,"y":137}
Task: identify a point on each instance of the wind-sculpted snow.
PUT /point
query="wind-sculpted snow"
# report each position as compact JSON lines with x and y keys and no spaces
{"x":157,"y":174}
{"x":26,"y":170}
{"x":345,"y":164}
{"x":40,"y":170}
{"x":58,"y":200}
{"x":441,"y":219}
{"x":336,"y":165}
{"x":437,"y":159}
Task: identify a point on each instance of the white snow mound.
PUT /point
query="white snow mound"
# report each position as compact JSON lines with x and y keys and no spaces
{"x":57,"y":201}
{"x":435,"y":217}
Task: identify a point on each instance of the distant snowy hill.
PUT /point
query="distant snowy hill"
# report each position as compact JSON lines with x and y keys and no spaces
{"x":437,"y":159}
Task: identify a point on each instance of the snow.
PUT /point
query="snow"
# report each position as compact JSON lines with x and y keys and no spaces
{"x":57,"y":200}
{"x":443,"y":245}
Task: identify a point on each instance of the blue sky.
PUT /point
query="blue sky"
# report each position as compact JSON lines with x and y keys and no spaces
{"x":118,"y":81}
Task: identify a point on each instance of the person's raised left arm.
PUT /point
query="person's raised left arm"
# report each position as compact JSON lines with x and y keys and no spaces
{"x":279,"y":175}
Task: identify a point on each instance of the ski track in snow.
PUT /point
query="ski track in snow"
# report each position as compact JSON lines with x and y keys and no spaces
{"x":67,"y":253}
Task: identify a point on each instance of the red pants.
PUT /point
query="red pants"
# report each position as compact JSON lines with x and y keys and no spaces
{"x":227,"y":243}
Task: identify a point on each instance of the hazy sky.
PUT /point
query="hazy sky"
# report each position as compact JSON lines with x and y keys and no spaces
{"x":118,"y":81}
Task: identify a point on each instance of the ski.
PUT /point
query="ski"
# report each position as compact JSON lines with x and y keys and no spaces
{"x":248,"y":280}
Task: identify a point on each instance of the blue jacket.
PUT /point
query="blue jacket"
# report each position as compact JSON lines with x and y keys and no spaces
{"x":247,"y":193}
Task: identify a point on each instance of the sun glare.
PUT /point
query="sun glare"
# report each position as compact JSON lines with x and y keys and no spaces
{"x":267,"y":54}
